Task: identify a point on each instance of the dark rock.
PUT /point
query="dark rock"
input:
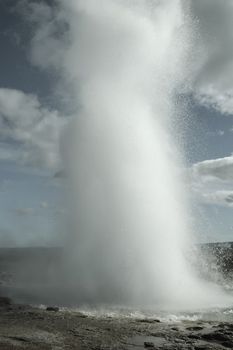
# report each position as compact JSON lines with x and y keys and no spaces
{"x":195,"y":328}
{"x":228,"y":344}
{"x":216,"y":336}
{"x":220,"y":325}
{"x":193,"y":336}
{"x":229,"y":326}
{"x":4,"y":301}
{"x":52,"y":308}
{"x":147,"y":320}
{"x":22,"y":339}
{"x":149,"y":345}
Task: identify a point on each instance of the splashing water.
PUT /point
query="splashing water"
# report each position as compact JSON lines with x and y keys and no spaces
{"x":128,"y":61}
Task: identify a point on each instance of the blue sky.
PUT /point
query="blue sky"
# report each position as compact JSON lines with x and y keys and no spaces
{"x":32,"y":118}
{"x":30,"y":200}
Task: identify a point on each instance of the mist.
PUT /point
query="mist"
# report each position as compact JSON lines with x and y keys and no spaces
{"x":124,"y":72}
{"x":130,"y":225}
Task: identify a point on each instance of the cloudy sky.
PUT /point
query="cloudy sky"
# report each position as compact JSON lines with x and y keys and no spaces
{"x":34,"y":112}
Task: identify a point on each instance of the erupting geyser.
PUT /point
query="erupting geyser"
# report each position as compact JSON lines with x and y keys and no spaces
{"x":128,"y":62}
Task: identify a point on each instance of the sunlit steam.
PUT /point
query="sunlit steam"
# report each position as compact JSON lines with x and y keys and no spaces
{"x":127,"y":62}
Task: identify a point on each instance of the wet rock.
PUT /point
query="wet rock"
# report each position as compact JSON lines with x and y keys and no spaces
{"x":195,"y":328}
{"x":228,"y":344}
{"x":52,"y":308}
{"x":149,"y":345}
{"x":21,"y":339}
{"x":205,"y":347}
{"x":148,"y":320}
{"x":177,"y":340}
{"x":216,"y":337}
{"x":229,"y":327}
{"x":4,"y":301}
{"x":193,"y":336}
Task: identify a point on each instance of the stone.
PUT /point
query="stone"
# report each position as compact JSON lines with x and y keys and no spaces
{"x":148,"y":320}
{"x":216,"y":336}
{"x":52,"y":308}
{"x":195,"y":328}
{"x":193,"y":336}
{"x":5,"y":301}
{"x":149,"y":345}
{"x":228,"y":344}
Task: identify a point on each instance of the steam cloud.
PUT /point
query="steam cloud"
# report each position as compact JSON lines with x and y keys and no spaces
{"x":127,"y":63}
{"x":124,"y":64}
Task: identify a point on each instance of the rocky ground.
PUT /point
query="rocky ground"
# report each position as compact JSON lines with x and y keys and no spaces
{"x":25,"y":327}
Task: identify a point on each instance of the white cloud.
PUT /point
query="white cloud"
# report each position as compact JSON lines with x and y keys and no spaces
{"x":221,"y":100}
{"x":212,"y":181}
{"x":214,"y":81}
{"x":29,"y":132}
{"x":220,"y":169}
{"x":218,"y":197}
